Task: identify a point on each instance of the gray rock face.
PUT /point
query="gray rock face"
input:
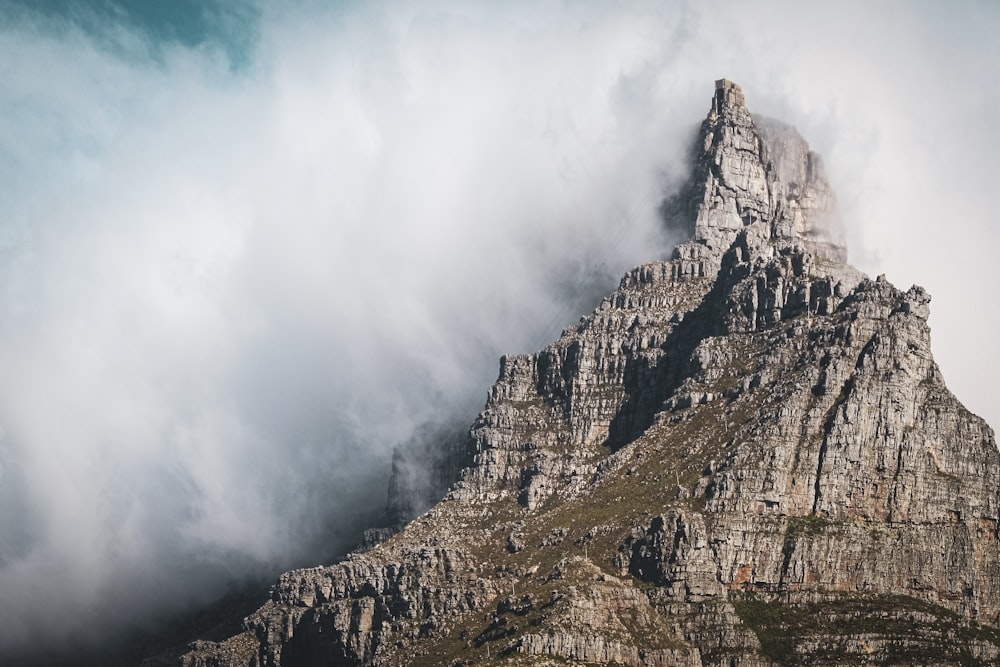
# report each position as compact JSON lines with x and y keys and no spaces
{"x":744,"y":456}
{"x":755,"y":175}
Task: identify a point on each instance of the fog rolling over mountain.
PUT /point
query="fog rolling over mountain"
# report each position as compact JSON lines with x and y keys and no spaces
{"x":248,"y":249}
{"x":746,"y":455}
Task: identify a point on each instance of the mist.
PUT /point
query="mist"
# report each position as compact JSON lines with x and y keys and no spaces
{"x":244,"y":255}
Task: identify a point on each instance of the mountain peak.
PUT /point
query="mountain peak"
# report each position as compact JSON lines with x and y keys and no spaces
{"x":745,"y":455}
{"x":754,"y":177}
{"x":728,"y":98}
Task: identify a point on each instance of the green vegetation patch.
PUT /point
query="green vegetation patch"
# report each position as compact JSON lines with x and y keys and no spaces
{"x":809,"y":525}
{"x":877,"y":629}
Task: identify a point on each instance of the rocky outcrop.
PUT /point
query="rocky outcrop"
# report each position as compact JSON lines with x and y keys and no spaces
{"x":744,"y":456}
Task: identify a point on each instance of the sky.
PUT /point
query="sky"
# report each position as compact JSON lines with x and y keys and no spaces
{"x":247,"y":249}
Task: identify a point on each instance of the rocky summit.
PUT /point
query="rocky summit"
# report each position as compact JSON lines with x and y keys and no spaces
{"x":745,"y":455}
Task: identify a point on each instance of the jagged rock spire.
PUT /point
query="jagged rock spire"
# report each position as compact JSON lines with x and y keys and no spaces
{"x":758,"y":176}
{"x":728,"y":99}
{"x":731,"y":177}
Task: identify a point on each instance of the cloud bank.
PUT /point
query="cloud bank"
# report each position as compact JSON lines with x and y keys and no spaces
{"x":236,"y":271}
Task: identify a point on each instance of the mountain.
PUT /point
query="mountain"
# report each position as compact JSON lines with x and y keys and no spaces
{"x":745,"y":455}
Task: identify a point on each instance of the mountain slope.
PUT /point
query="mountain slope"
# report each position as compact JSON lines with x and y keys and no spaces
{"x":746,"y":455}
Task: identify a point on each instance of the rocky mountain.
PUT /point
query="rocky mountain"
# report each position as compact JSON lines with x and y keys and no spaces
{"x":745,"y":455}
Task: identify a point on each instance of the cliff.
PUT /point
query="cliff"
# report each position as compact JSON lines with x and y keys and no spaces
{"x":745,"y":455}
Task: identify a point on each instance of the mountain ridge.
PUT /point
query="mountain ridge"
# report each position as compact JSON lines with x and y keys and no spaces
{"x":744,"y":456}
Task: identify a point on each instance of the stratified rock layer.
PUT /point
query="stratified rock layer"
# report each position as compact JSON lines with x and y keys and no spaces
{"x":746,"y":455}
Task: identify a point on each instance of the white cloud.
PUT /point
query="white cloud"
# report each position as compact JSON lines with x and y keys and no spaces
{"x":226,"y":295}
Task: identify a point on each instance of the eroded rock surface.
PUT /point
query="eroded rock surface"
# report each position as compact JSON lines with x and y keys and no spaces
{"x":745,"y":455}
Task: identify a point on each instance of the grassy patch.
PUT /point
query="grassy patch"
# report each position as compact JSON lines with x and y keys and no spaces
{"x":770,"y":622}
{"x":882,"y":629}
{"x":809,"y":525}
